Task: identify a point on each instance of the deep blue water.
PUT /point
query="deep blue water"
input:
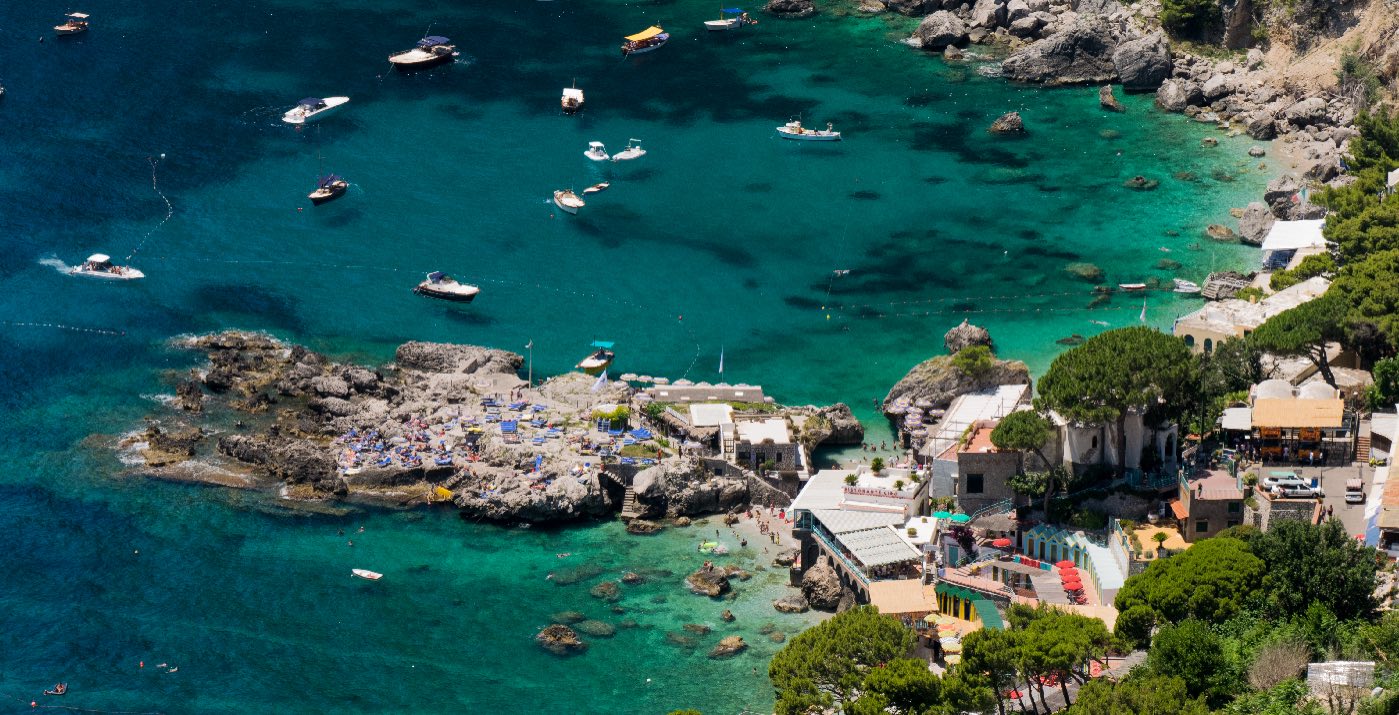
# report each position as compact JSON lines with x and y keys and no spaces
{"x":722,"y":237}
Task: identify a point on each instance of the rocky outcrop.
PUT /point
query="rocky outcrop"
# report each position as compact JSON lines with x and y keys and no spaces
{"x":1278,"y":195}
{"x":1008,"y":123}
{"x":451,"y":358}
{"x":790,"y":8}
{"x":607,"y":591}
{"x":936,"y":382}
{"x":1081,"y":53}
{"x":988,"y":14}
{"x":821,"y":587}
{"x":170,"y":447}
{"x":708,"y":581}
{"x":940,"y":30}
{"x":560,"y":640}
{"x":189,"y":397}
{"x":1255,"y":222}
{"x":792,"y":603}
{"x":1171,"y":96}
{"x":1144,"y":63}
{"x":597,"y":629}
{"x":642,"y":527}
{"x":1107,"y":101}
{"x":516,"y":497}
{"x":833,"y":425}
{"x":683,"y":486}
{"x":964,"y":335}
{"x":1307,"y":112}
{"x":913,"y":8}
{"x":786,"y":558}
{"x":728,"y":646}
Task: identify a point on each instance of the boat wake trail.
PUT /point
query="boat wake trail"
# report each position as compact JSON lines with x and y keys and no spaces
{"x":56,"y":264}
{"x":169,"y":207}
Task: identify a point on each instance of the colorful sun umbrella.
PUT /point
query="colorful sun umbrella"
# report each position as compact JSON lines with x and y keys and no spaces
{"x":1001,"y":543}
{"x":1074,"y":585}
{"x":941,"y":514}
{"x":1066,"y":564}
{"x":1069,"y":572}
{"x":961,"y":518}
{"x":952,"y":648}
{"x":953,"y":659}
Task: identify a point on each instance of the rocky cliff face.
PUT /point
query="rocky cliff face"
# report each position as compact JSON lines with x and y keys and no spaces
{"x":681,"y":487}
{"x":938,"y":381}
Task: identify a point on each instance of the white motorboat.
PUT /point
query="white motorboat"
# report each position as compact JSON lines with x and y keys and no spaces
{"x":440,"y":285}
{"x":595,"y":188}
{"x":730,"y":18}
{"x":568,"y":201}
{"x":596,"y":151}
{"x":648,"y":40}
{"x":795,"y":130}
{"x":633,"y":151}
{"x":366,"y":574}
{"x":572,"y":99}
{"x":328,"y":188}
{"x":1132,"y":287}
{"x":74,"y":23}
{"x":1185,"y":286}
{"x":312,"y":109}
{"x":431,"y":51}
{"x":99,"y":265}
{"x":599,"y":359}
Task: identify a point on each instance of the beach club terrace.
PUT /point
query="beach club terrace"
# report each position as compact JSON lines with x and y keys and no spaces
{"x":1287,"y":425}
{"x":1218,"y":321}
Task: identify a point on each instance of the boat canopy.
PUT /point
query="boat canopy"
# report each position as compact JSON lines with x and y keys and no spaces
{"x":733,"y":10}
{"x":77,"y":15}
{"x":604,"y":344}
{"x":329,"y":179}
{"x":596,"y":145}
{"x":646,"y":34}
{"x":436,"y":276}
{"x":574,"y":94}
{"x":311,"y":102}
{"x":99,"y":258}
{"x":433,"y":41}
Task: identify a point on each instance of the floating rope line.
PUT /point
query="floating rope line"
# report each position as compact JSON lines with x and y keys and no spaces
{"x":60,"y":326}
{"x":35,"y":705}
{"x":169,"y":207}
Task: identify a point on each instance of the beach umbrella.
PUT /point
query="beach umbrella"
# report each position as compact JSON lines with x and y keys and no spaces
{"x":953,"y":647}
{"x":1002,"y":543}
{"x":1066,"y":564}
{"x":1072,"y":581}
{"x":953,"y":659}
{"x":1068,"y":573}
{"x":941,"y":514}
{"x":931,"y":618}
{"x":961,"y":518}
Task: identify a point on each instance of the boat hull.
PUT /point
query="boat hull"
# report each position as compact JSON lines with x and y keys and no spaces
{"x":570,"y":107}
{"x":366,"y":574}
{"x":445,"y":295}
{"x":319,"y":197}
{"x":720,"y":25}
{"x":643,"y":49}
{"x":812,"y":136}
{"x":562,"y":201}
{"x":597,"y":157}
{"x":408,"y":65}
{"x":593,"y":368}
{"x":129,"y":274}
{"x":333,"y":105}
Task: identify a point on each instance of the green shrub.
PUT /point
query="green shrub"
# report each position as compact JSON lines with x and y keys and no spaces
{"x":1189,"y":18}
{"x":974,"y":360}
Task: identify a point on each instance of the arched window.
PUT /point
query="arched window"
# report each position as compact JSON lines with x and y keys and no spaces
{"x":1189,"y":341}
{"x":1209,"y":346}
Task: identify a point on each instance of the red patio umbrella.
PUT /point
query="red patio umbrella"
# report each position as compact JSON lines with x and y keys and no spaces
{"x":1066,"y":564}
{"x":1001,"y":543}
{"x":1073,"y":583}
{"x":1068,"y":573}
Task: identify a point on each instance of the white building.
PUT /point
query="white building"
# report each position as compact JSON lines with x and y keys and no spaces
{"x":1236,"y":318}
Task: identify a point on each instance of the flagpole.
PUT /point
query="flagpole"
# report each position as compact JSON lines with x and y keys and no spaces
{"x":530,"y":348}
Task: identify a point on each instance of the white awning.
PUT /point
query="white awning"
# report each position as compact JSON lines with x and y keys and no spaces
{"x":877,"y":547}
{"x":839,"y":521}
{"x":1293,"y":235}
{"x":1237,"y":418}
{"x":1393,"y":178}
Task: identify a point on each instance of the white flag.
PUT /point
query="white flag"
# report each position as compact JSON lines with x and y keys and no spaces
{"x":1143,"y":315}
{"x":529,"y":345}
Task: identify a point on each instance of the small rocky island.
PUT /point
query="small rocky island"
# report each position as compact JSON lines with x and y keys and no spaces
{"x":444,"y":422}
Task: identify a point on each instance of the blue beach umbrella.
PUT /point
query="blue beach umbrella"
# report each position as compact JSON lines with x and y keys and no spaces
{"x":961,"y":518}
{"x":941,"y":514}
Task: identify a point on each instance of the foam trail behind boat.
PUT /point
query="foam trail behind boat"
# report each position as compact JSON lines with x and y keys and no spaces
{"x":56,"y":264}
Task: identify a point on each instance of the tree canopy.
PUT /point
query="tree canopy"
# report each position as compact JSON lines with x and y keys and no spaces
{"x":1316,"y":564}
{"x":1138,"y":694}
{"x":1305,"y":330}
{"x":1023,"y":431}
{"x":825,"y":665}
{"x":1118,"y":371}
{"x":1210,"y":581}
{"x":1193,"y":653}
{"x":1369,"y":292}
{"x":1042,"y":645}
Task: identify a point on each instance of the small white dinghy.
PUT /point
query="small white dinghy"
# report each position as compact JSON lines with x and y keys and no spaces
{"x":99,"y":265}
{"x":568,"y":201}
{"x":366,"y":574}
{"x":596,"y":151}
{"x":595,"y":188}
{"x":312,"y":109}
{"x":795,"y":130}
{"x":633,"y":151}
{"x":1185,"y":286}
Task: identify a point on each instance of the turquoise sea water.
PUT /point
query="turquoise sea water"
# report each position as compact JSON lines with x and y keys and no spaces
{"x":721,"y":238}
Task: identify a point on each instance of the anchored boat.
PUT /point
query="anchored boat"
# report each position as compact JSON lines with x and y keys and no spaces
{"x":568,"y":201}
{"x":572,"y":99}
{"x":366,"y":574}
{"x":795,"y":130}
{"x":328,"y":188}
{"x":312,"y":109}
{"x":1185,"y":286}
{"x":596,"y":151}
{"x":440,"y":285}
{"x":648,"y":40}
{"x":595,"y":188}
{"x":431,"y":51}
{"x":99,"y":265}
{"x":633,"y":151}
{"x":599,"y":359}
{"x":74,"y":23}
{"x":730,"y":18}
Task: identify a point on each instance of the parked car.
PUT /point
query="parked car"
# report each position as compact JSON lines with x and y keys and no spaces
{"x":1271,"y":481}
{"x":1355,"y":491}
{"x":1296,"y":488}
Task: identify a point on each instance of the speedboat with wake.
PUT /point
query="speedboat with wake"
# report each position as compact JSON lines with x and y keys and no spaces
{"x":431,"y":51}
{"x":795,"y":130}
{"x":312,"y":109}
{"x":328,"y":188}
{"x":74,"y":23}
{"x":568,"y":201}
{"x":633,"y":151}
{"x":596,"y":151}
{"x":99,"y":265}
{"x":648,"y":40}
{"x":440,"y":285}
{"x":599,"y":359}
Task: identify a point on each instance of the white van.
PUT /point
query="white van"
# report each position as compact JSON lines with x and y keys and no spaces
{"x":1355,"y":491}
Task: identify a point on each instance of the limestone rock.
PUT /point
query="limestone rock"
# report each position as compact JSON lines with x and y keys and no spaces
{"x":599,"y":629}
{"x":1171,"y":96}
{"x":940,"y":30}
{"x":1261,"y":126}
{"x":560,"y":640}
{"x":964,"y":335}
{"x":1008,"y":123}
{"x":449,"y":358}
{"x":791,"y":8}
{"x":728,"y":646}
{"x":937,"y":382}
{"x":833,"y":425}
{"x":1309,"y":111}
{"x":786,"y":558}
{"x":913,"y":8}
{"x":792,"y":603}
{"x":1220,"y":232}
{"x":1254,"y":224}
{"x":1080,"y":53}
{"x":632,"y":578}
{"x":697,"y":628}
{"x":1218,"y":87}
{"x":1257,"y":152}
{"x":1143,"y":64}
{"x":1278,"y":195}
{"x":607,"y":591}
{"x":1016,"y":10}
{"x":727,"y":616}
{"x":821,"y":587}
{"x":170,"y":447}
{"x":1108,"y":101}
{"x":682,"y":486}
{"x":988,"y":14}
{"x":951,"y":53}
{"x":1255,"y":59}
{"x":189,"y":396}
{"x":643,"y":527}
{"x":708,"y":581}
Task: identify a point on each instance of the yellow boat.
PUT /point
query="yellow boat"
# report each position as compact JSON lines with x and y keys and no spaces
{"x":645,"y":41}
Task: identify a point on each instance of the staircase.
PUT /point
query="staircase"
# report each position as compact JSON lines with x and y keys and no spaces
{"x":1362,"y":449}
{"x":630,"y":509}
